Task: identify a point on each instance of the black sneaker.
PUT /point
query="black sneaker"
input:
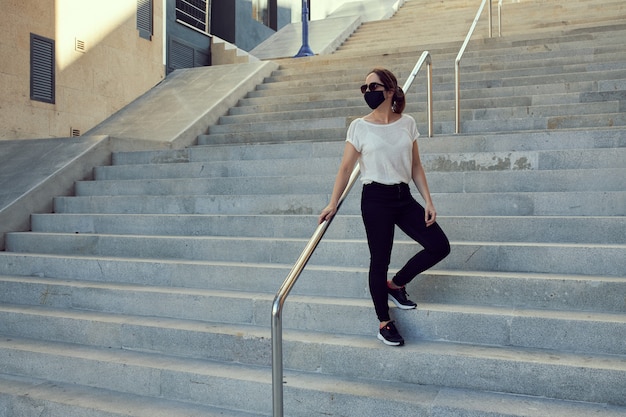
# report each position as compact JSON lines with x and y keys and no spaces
{"x":399,"y":298}
{"x":389,"y":335}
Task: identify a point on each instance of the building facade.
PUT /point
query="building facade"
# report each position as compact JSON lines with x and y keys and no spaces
{"x":67,"y":65}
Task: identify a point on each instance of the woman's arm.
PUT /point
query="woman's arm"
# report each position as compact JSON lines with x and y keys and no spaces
{"x":419,"y":178}
{"x":349,"y":159}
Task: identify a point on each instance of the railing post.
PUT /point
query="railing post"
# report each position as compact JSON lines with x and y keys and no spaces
{"x":305,"y":49}
{"x":457,"y":63}
{"x":457,"y":95}
{"x":490,"y":21}
{"x":277,"y":358}
{"x":500,"y":18}
{"x":424,"y":59}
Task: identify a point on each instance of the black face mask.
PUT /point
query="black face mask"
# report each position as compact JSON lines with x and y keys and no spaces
{"x":374,"y":98}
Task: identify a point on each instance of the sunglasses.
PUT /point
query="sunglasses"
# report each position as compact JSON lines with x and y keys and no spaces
{"x":371,"y":86}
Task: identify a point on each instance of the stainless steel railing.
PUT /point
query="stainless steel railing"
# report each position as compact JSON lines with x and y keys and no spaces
{"x":294,"y":274}
{"x":425,"y":58}
{"x":457,"y":62}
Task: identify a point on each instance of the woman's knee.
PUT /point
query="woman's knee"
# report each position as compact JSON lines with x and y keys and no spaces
{"x":440,"y":247}
{"x":444,"y":249}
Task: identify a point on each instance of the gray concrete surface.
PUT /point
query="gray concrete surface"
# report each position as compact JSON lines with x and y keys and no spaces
{"x":171,"y":115}
{"x":32,"y":172}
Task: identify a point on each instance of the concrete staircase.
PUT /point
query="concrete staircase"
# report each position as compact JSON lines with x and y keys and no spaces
{"x":149,"y":292}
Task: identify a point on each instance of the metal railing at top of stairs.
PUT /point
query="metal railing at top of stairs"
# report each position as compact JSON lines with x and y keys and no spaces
{"x":294,"y":274}
{"x":457,"y":62}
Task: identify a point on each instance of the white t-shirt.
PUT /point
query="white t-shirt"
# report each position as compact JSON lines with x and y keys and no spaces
{"x":386,"y":149}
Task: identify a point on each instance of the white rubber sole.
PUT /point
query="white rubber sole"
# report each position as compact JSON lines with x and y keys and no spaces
{"x":387,"y":342}
{"x":401,"y":306}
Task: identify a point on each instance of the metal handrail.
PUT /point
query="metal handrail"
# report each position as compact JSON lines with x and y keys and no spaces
{"x":457,"y":61}
{"x":281,"y":297}
{"x":307,"y":252}
{"x":499,"y":18}
{"x":424,"y":59}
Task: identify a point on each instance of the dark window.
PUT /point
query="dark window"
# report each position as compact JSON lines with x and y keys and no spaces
{"x":261,"y":12}
{"x":41,"y":68}
{"x":194,"y":13}
{"x":144,"y":18}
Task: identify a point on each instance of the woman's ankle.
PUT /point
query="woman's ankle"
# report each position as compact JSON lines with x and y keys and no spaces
{"x":393,"y":285}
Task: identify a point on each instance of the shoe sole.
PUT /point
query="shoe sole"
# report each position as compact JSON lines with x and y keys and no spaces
{"x":400,"y":305}
{"x":387,"y":342}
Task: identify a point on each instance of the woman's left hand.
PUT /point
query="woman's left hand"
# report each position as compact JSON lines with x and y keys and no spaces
{"x":430,"y":215}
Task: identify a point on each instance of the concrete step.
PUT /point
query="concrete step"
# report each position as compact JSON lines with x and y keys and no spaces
{"x":511,"y":36}
{"x":520,"y":113}
{"x":194,"y":318}
{"x":516,"y":107}
{"x":26,"y":396}
{"x":587,"y":259}
{"x":536,"y":372}
{"x":443,"y":95}
{"x":552,"y":43}
{"x":515,"y":118}
{"x":522,"y":104}
{"x":547,"y":229}
{"x":447,"y":403}
{"x":589,"y":58}
{"x":483,"y":79}
{"x":282,"y":125}
{"x":462,"y":167}
{"x":287,"y":135}
{"x":59,"y":400}
{"x":186,"y":319}
{"x":446,"y":175}
{"x":538,"y":123}
{"x":499,"y":64}
{"x":441,"y":128}
{"x":558,"y":292}
{"x":458,"y":22}
{"x":364,"y":44}
{"x":555,"y":46}
{"x":531,"y":141}
{"x":575,"y":203}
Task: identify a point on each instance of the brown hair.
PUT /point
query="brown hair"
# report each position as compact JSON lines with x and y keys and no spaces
{"x":391,"y":84}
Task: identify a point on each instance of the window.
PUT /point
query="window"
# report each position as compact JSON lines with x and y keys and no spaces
{"x":144,"y":18}
{"x":260,"y":11}
{"x":41,"y":69}
{"x":194,"y":13}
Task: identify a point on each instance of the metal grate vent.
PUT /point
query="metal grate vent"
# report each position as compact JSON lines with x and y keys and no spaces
{"x":180,"y":56}
{"x":41,"y":69}
{"x":80,"y":45}
{"x":74,"y":132}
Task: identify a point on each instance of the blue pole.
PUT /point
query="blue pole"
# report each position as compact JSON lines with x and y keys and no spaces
{"x":305,"y":49}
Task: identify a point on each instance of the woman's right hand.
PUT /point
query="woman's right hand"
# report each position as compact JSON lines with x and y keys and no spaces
{"x":327,"y":214}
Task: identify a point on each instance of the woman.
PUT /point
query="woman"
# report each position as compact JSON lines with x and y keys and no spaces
{"x":385,"y":144}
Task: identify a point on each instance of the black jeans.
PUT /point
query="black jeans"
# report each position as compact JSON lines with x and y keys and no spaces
{"x":382,"y":208}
